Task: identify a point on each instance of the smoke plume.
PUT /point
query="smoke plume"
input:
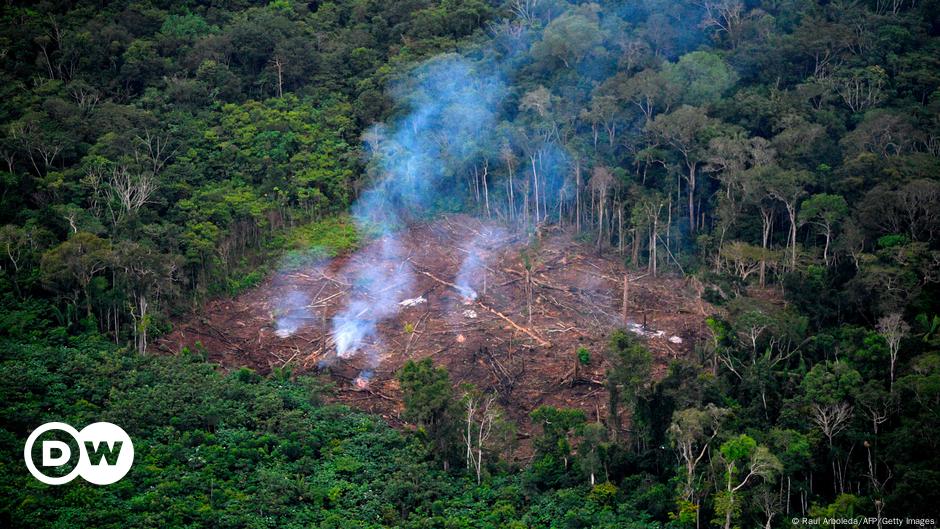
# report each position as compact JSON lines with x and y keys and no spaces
{"x":451,"y":104}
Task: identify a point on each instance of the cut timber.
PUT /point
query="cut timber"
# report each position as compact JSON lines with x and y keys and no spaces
{"x":626,"y":298}
{"x":541,"y":341}
{"x":626,"y":295}
{"x":441,"y":281}
{"x":518,"y":327}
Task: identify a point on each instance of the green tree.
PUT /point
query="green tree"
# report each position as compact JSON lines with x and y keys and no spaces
{"x":569,"y":39}
{"x":429,"y":402}
{"x":554,"y":445}
{"x":824,"y":211}
{"x":687,"y":130}
{"x":628,"y":376}
{"x":700,"y":77}
{"x":692,"y":432}
{"x":70,"y":267}
{"x":742,"y":455}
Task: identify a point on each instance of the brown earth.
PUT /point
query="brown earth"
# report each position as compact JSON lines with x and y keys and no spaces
{"x":491,"y":342}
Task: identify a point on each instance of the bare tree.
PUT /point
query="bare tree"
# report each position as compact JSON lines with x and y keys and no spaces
{"x":524,"y":10}
{"x":725,"y":16}
{"x":34,"y":142}
{"x":877,"y":484}
{"x":481,"y":415}
{"x":152,"y":151}
{"x":85,"y":96}
{"x":121,"y":190}
{"x":893,"y":329}
{"x":860,"y":88}
{"x":278,"y":64}
{"x":831,"y":419}
{"x":769,"y":503}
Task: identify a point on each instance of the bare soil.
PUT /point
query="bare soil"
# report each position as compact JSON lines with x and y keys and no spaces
{"x":491,"y":342}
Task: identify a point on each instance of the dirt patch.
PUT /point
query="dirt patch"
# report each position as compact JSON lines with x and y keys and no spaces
{"x":491,"y":341}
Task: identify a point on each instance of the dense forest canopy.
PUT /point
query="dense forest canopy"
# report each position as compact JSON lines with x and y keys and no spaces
{"x":785,"y":155}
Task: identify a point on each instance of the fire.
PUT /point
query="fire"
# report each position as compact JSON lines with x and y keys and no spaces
{"x":362,"y":381}
{"x":468,"y":294}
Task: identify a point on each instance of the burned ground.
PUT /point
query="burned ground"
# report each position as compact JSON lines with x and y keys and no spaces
{"x":491,"y":342}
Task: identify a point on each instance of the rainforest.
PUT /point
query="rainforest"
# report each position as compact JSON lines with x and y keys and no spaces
{"x":642,"y":264}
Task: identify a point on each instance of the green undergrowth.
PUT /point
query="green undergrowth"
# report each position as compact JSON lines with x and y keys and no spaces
{"x":318,"y":240}
{"x":239,"y":450}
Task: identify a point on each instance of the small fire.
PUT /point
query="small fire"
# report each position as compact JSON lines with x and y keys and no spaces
{"x":362,"y":381}
{"x":469,"y":295}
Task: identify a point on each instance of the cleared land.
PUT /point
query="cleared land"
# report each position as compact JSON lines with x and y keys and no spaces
{"x":493,"y":342}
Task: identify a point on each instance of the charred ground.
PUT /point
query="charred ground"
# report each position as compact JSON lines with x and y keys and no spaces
{"x":491,"y":342}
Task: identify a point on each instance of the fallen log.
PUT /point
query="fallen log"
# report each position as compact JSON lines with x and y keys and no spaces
{"x":441,"y":281}
{"x":541,"y":341}
{"x":537,"y":282}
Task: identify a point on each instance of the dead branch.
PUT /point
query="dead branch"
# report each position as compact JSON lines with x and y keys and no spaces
{"x":541,"y":341}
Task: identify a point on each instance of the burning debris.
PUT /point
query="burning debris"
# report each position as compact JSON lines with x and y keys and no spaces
{"x":467,"y":294}
{"x":362,"y":380}
{"x":473,"y":268}
{"x":643,"y":330}
{"x":350,"y":331}
{"x":452,"y":100}
{"x":375,"y":300}
{"x":291,"y":314}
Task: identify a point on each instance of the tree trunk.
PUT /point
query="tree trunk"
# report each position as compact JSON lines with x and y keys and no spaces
{"x":791,"y":212}
{"x":626,"y":297}
{"x":486,"y":192}
{"x":142,"y":332}
{"x":620,"y":228}
{"x":767,"y":220}
{"x":653,"y":233}
{"x":544,"y":187}
{"x":535,"y":181}
{"x":577,"y":196}
{"x":691,"y":198}
{"x":635,"y":257}
{"x":87,"y":299}
{"x":512,"y":199}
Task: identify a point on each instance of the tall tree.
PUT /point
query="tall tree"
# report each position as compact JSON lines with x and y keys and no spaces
{"x":429,"y":402}
{"x":687,"y":130}
{"x":824,"y":211}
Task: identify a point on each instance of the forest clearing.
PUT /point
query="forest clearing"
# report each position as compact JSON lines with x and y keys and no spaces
{"x":490,"y":341}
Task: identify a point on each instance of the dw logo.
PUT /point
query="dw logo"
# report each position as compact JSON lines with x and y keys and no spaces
{"x":105,"y":453}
